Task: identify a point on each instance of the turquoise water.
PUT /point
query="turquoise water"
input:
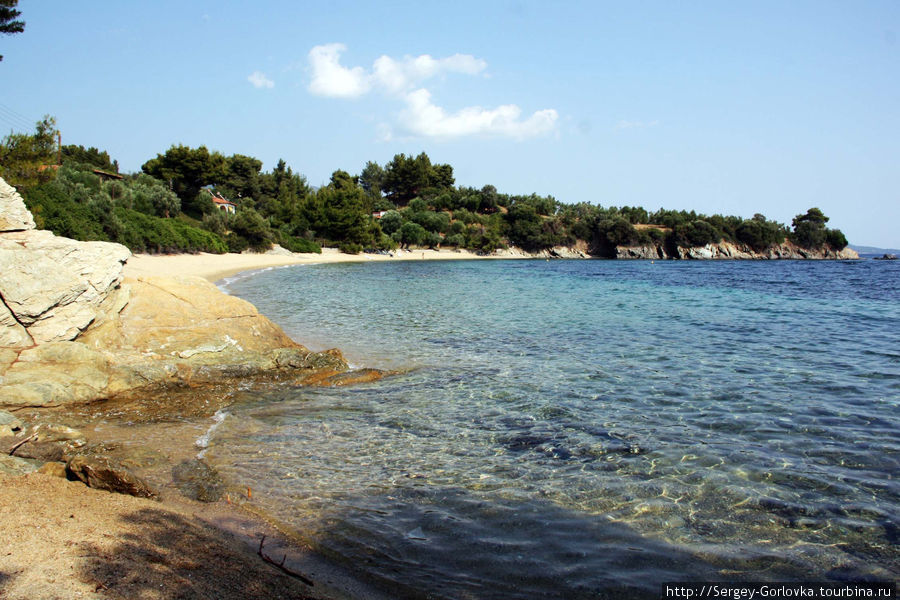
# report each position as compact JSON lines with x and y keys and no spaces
{"x":574,"y":429}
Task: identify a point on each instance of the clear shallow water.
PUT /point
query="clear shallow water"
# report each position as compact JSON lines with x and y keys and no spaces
{"x":575,"y":427}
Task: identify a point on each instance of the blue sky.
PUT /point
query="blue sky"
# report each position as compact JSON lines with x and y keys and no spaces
{"x":721,"y":107}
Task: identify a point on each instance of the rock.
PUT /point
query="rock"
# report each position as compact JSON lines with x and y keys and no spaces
{"x":54,"y":469}
{"x":301,"y":358}
{"x":102,"y":474}
{"x":53,"y":374}
{"x":57,"y":433}
{"x":198,"y":481}
{"x":54,"y":286}
{"x":42,"y":451}
{"x":13,"y":465}
{"x":184,"y":317}
{"x":14,"y":216}
{"x":12,"y":333}
{"x":353,"y":377}
{"x":9,"y":424}
{"x":651,"y":252}
{"x":44,"y":442}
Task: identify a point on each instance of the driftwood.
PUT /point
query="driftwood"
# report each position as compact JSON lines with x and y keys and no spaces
{"x":280,"y":566}
{"x":22,"y":443}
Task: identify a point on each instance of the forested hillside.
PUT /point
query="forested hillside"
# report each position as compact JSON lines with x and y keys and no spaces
{"x":171,"y":206}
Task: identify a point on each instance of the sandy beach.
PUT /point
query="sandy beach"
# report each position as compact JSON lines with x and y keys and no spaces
{"x":214,"y":267}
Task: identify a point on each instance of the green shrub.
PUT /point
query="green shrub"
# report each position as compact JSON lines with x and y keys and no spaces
{"x":350,"y":248}
{"x":297,"y":244}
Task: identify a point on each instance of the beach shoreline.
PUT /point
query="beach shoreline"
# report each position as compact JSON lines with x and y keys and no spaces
{"x":215,"y":267}
{"x":80,"y":542}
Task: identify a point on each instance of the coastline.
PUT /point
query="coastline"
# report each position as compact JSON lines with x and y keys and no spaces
{"x":75,"y":541}
{"x":215,"y":267}
{"x":112,"y":536}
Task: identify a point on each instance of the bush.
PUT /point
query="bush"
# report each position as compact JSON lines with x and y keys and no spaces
{"x":350,"y":248}
{"x":457,"y":240}
{"x":251,"y":226}
{"x":236,"y":243}
{"x":836,"y":239}
{"x":297,"y":244}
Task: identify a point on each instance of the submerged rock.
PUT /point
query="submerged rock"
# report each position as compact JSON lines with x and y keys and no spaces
{"x":198,"y":481}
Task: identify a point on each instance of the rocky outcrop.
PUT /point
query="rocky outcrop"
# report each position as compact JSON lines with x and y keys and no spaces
{"x":54,"y":287}
{"x":14,"y":216}
{"x":651,"y":252}
{"x":73,"y":330}
{"x":730,"y":251}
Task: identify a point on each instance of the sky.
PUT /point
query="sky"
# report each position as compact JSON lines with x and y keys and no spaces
{"x":732,"y":107}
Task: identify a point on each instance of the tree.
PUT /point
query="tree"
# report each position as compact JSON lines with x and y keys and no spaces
{"x":371,"y":179}
{"x":22,"y":156}
{"x":8,"y":23}
{"x":341,"y":212}
{"x":241,"y":177}
{"x":391,"y":221}
{"x":89,"y":156}
{"x":406,"y":177}
{"x":186,"y":170}
{"x":809,"y":229}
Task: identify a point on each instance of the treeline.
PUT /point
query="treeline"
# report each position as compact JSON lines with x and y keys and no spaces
{"x":407,"y":202}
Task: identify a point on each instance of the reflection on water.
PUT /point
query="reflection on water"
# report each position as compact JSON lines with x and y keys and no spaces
{"x":582,"y":426}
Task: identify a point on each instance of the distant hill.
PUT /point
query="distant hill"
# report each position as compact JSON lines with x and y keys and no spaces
{"x":873,"y":250}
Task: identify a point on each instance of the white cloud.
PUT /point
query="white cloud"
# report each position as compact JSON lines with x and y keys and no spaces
{"x":401,"y":78}
{"x":424,"y":118}
{"x":398,"y":76}
{"x":259,"y":80}
{"x":330,"y":78}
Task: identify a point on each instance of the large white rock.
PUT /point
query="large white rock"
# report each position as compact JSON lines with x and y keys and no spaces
{"x":13,"y":214}
{"x":12,"y":334}
{"x":53,"y":285}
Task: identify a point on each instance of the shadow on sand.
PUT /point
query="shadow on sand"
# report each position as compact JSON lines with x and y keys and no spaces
{"x":169,"y":556}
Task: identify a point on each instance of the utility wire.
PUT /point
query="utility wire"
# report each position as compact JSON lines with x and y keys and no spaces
{"x":17,"y":120}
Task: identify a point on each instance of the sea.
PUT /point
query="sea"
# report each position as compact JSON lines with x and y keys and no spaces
{"x":582,"y":428}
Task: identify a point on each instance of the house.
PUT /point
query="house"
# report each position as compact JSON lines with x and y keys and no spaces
{"x":221,"y":202}
{"x":379,"y":214}
{"x":106,"y":176}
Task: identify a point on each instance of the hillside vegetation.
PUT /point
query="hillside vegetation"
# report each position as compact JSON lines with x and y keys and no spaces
{"x":408,"y":202}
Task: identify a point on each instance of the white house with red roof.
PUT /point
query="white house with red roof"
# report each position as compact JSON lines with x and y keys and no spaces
{"x":222,"y":203}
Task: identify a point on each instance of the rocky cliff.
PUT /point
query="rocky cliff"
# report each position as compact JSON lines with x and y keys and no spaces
{"x":72,"y":329}
{"x":731,"y":251}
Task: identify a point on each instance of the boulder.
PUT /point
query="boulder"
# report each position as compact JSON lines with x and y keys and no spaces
{"x":54,"y":286}
{"x":53,"y":469}
{"x":103,"y":474}
{"x":186,"y":317}
{"x":54,"y":374}
{"x":14,"y":216}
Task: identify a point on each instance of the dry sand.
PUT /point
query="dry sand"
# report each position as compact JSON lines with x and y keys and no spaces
{"x":214,"y":267}
{"x":61,"y":539}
